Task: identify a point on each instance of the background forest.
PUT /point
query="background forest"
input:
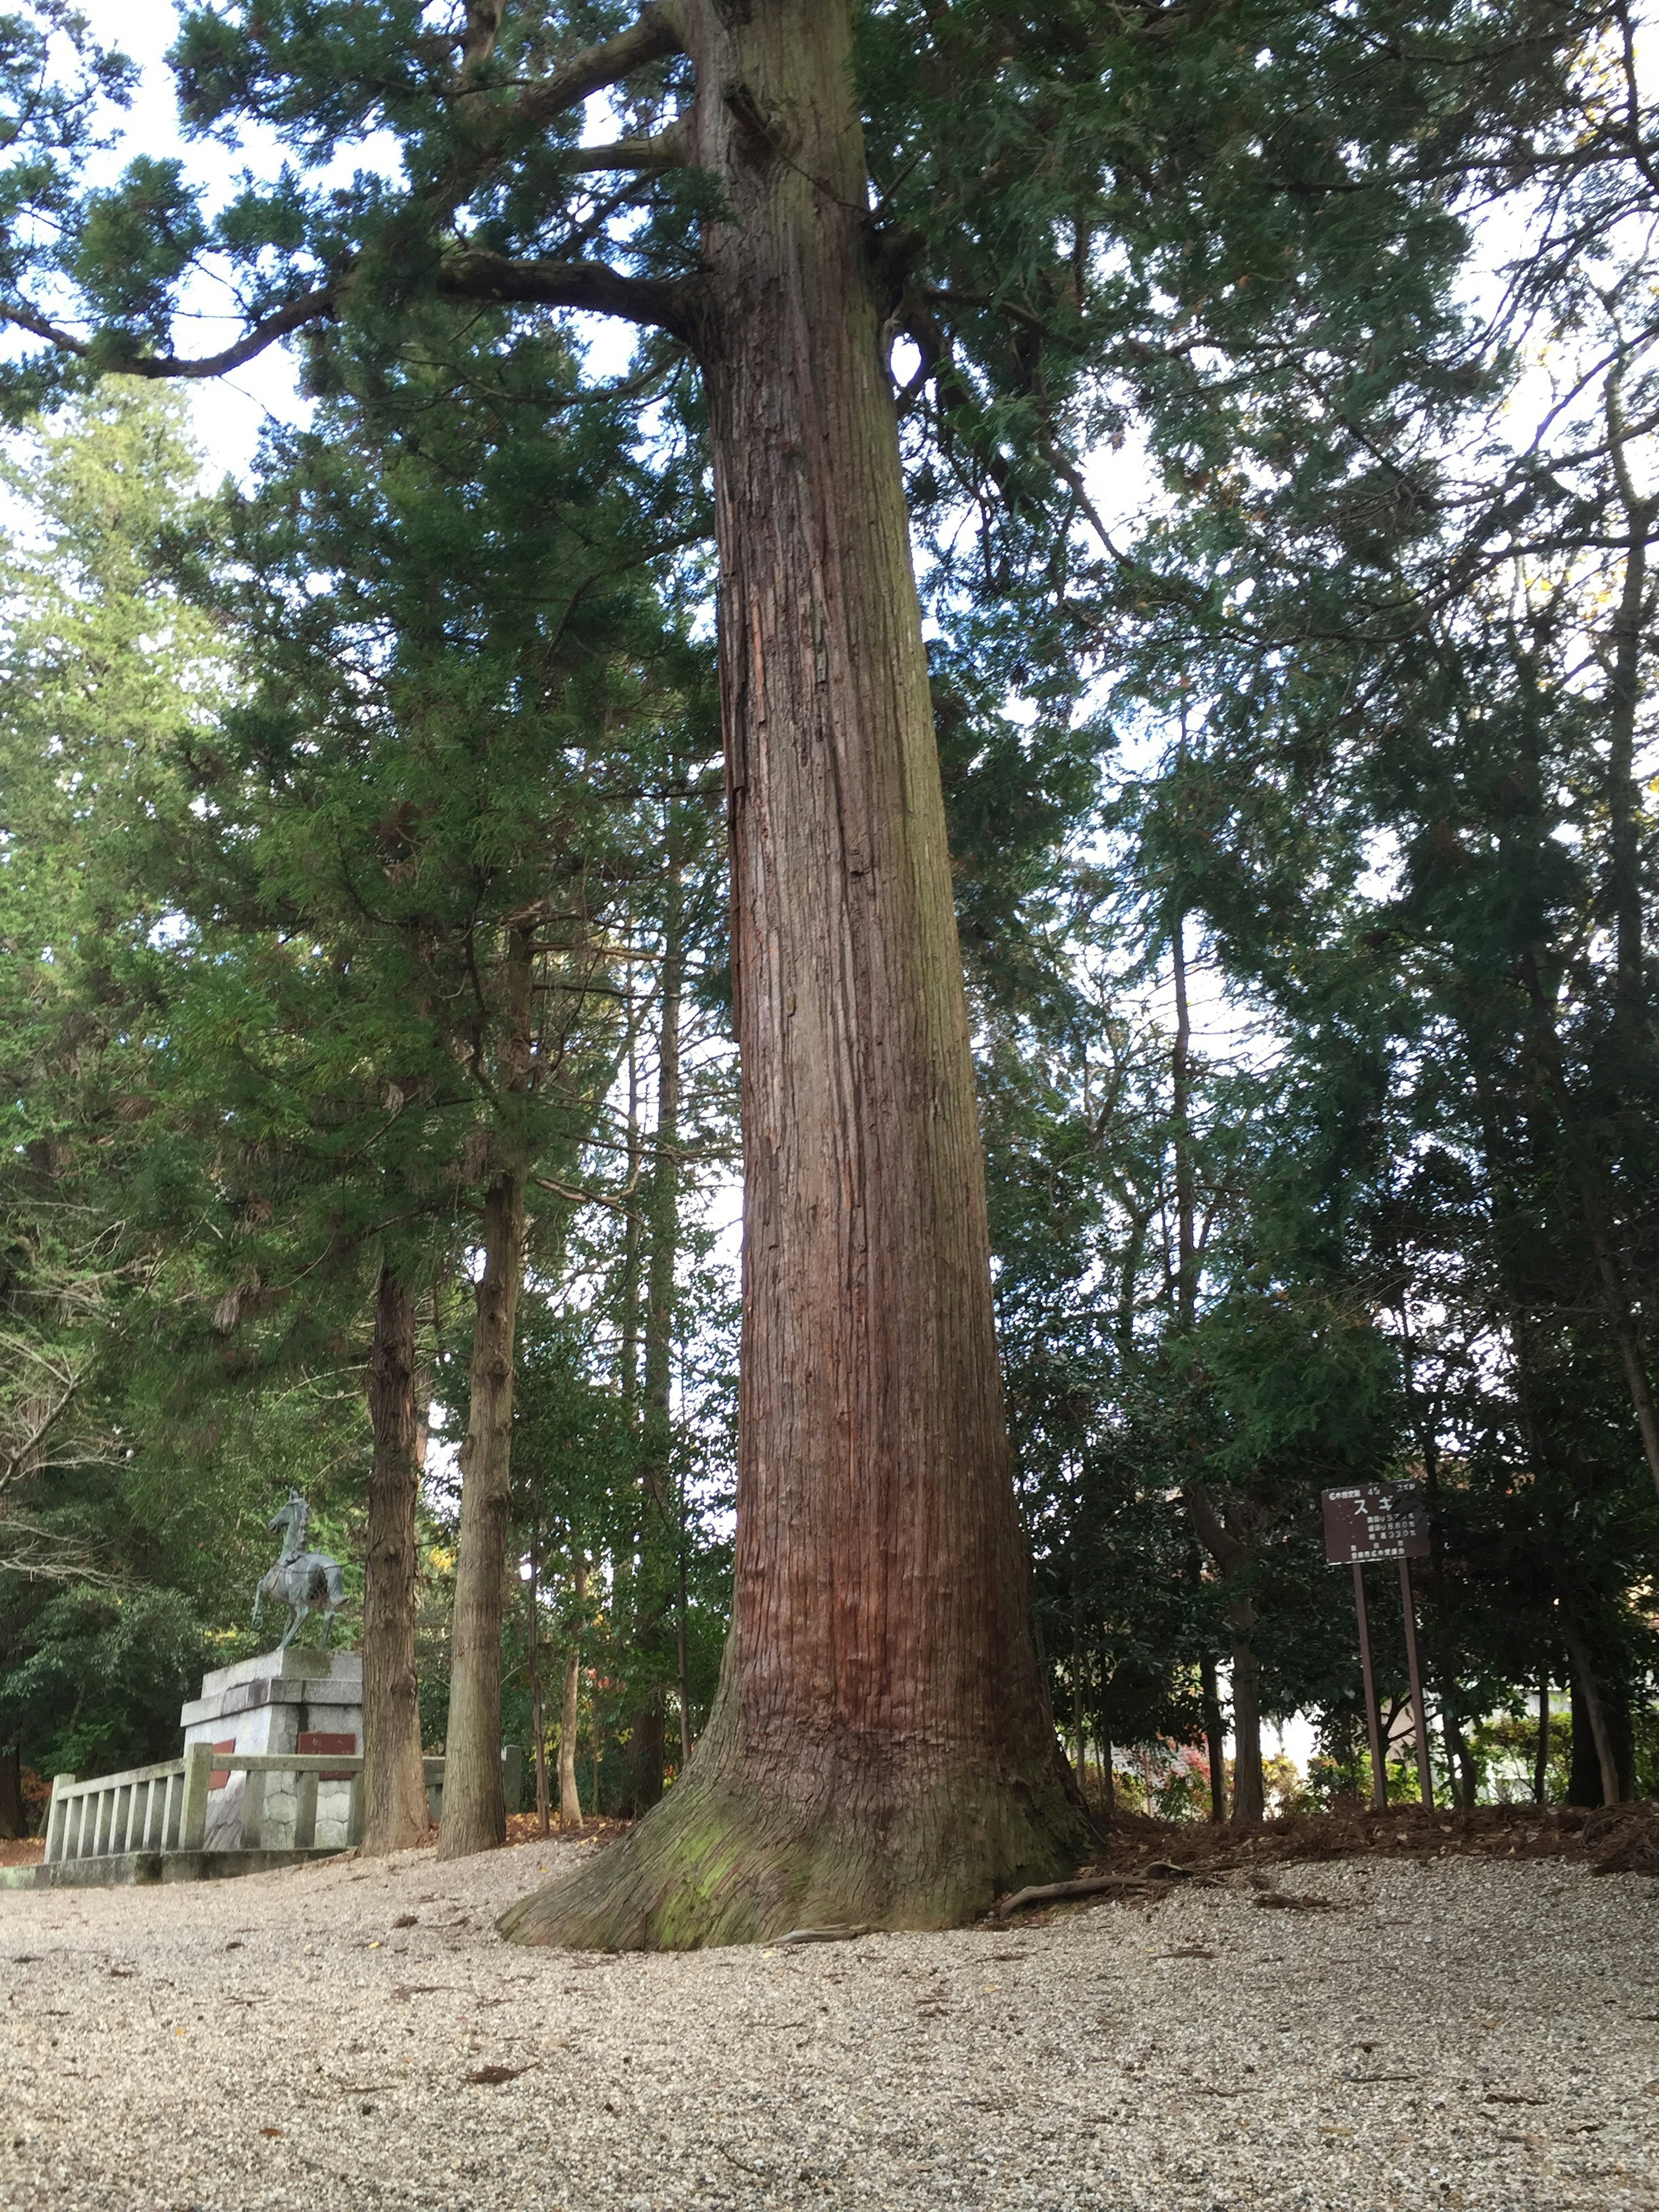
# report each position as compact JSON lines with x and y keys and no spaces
{"x":1285,"y":543}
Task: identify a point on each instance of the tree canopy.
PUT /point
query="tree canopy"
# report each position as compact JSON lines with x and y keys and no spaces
{"x":1137,"y":524}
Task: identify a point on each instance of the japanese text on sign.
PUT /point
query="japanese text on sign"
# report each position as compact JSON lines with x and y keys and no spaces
{"x":1375,"y":1521}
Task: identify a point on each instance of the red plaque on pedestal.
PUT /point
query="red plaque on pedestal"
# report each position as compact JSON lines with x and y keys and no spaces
{"x":319,"y":1740}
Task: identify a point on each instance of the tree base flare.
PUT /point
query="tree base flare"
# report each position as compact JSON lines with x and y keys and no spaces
{"x":717,"y":1862}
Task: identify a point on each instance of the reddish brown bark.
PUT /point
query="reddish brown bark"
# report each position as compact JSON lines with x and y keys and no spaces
{"x":881,"y":1748}
{"x":394,"y":1794}
{"x":474,"y":1812}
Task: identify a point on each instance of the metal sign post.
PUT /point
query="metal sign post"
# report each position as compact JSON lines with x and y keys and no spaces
{"x":1373,"y":1718}
{"x":1383,"y":1520}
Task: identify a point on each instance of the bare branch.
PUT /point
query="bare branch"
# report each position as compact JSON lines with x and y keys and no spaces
{"x":579,"y":1197}
{"x":666,"y":150}
{"x":1066,"y":470}
{"x":280,"y":324}
{"x":40,"y":1554}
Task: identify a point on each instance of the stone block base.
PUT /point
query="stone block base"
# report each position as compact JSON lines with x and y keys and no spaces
{"x":147,"y":1866}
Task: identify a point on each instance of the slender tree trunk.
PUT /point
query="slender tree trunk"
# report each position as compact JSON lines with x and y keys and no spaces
{"x":881,"y":1748}
{"x":1077,"y":1693}
{"x":1586,"y":1694}
{"x":1180,"y":1071}
{"x":1215,"y":1740}
{"x":650,"y":1597}
{"x":625,"y":1558}
{"x":1589,"y":1692}
{"x":475,"y":1813}
{"x":13,"y":1824}
{"x":394,"y":1790}
{"x":1249,"y":1797}
{"x":1231,"y":1553}
{"x":1598,"y":1219}
{"x":680,"y":1648}
{"x":1541,"y":1764}
{"x":537,"y":1715}
{"x":1467,"y":1782}
{"x":1630,"y":625}
{"x":570,"y":1803}
{"x":1458,"y":1760}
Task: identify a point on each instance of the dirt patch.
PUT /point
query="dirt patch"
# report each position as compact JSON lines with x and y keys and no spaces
{"x":526,"y":1828}
{"x":28,"y":1851}
{"x":1609,"y":1838}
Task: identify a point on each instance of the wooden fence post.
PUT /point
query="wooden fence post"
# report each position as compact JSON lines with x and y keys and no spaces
{"x":192,"y":1824}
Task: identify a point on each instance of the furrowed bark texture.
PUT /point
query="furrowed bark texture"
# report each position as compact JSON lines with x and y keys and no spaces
{"x":394,"y":1793}
{"x":474,"y":1812}
{"x":880,"y":1749}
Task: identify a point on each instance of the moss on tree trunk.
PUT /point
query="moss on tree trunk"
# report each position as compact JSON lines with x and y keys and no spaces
{"x":881,"y":1748}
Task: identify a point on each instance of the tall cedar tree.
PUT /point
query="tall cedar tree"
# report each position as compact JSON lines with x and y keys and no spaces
{"x":881,"y":1748}
{"x":462,"y":681}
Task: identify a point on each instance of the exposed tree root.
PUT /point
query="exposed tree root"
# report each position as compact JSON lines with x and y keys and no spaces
{"x":716,"y":1863}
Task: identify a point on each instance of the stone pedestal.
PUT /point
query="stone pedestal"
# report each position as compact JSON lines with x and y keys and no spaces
{"x":275,"y":1703}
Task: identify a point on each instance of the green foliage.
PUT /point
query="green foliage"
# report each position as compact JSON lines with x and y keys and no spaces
{"x":103,"y":1679}
{"x":1353,"y":694}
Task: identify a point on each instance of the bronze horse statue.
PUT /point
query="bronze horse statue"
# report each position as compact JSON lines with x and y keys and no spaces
{"x":305,"y":1582}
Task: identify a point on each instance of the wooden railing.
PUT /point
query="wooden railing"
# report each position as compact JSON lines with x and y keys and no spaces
{"x":142,"y":1810}
{"x":164,"y":1808}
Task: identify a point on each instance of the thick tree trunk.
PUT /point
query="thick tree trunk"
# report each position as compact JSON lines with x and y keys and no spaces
{"x":394,"y":1792}
{"x":475,"y":1813}
{"x":570,"y":1803}
{"x":881,"y":1748}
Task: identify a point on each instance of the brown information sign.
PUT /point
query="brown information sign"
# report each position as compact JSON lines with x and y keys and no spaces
{"x":1375,"y":1521}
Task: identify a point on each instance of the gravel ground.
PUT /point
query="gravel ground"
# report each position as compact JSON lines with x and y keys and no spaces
{"x":356,"y":2036}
